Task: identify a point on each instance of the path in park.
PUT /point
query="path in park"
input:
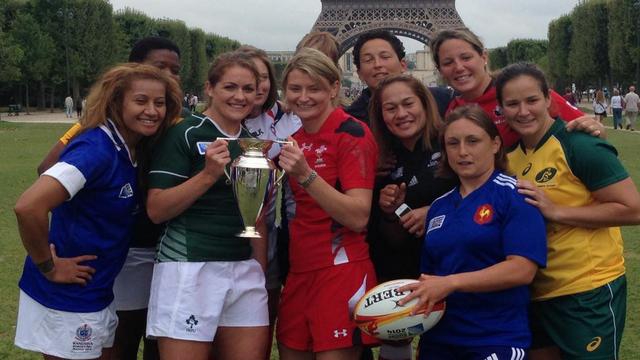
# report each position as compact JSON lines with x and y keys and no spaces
{"x":39,"y":117}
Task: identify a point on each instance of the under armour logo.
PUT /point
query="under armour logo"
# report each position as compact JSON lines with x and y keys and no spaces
{"x":341,"y":333}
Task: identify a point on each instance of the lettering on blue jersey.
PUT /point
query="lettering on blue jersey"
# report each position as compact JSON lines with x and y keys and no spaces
{"x":484,"y":214}
{"x":126,"y":191}
{"x":202,"y":146}
{"x":436,"y":223}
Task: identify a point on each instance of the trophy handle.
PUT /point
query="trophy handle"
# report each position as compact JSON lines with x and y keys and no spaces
{"x":226,"y":172}
{"x":278,"y":181}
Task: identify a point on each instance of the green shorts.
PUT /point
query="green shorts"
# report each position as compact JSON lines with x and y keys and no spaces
{"x":586,"y":325}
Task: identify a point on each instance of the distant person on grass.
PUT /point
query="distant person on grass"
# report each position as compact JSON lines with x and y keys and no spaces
{"x":67,"y":307}
{"x":631,"y":101}
{"x":617,"y":105}
{"x":132,"y":285}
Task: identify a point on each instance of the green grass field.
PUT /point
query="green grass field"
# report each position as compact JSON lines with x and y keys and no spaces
{"x":22,"y":146}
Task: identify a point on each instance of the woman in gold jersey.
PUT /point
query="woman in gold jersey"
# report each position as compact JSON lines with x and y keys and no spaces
{"x":584,"y":192}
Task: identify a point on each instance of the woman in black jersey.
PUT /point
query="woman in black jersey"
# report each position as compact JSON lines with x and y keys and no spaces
{"x":405,"y":122}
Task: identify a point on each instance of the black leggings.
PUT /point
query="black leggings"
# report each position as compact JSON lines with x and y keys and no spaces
{"x":131,"y":328}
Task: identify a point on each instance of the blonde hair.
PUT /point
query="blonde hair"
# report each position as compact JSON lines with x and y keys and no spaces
{"x":318,"y":66}
{"x":461,"y":33}
{"x":324,"y":42}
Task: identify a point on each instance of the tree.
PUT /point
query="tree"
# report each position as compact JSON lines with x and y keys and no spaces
{"x":560,"y":33}
{"x":498,"y":58}
{"x":198,"y":60}
{"x":39,"y":50}
{"x":216,"y":45}
{"x":10,"y":57}
{"x":529,"y":50}
{"x":620,"y":35}
{"x":589,"y":55}
{"x":135,"y":25}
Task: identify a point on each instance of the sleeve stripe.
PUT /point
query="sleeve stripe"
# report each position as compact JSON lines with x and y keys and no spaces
{"x":69,"y":176}
{"x":509,"y":184}
{"x":168,"y":173}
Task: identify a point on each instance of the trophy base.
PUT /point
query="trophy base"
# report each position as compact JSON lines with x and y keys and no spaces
{"x":249,"y":232}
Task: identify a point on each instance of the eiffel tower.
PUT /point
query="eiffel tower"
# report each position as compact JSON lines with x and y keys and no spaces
{"x":415,"y":19}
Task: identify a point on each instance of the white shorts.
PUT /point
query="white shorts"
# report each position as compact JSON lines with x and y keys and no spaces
{"x":190,"y":300}
{"x":64,"y":334}
{"x":133,"y":284}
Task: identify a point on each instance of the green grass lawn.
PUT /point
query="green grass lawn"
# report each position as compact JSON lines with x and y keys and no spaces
{"x":22,"y":146}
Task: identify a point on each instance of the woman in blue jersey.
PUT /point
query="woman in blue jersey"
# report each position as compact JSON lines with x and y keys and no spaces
{"x":584,"y":192}
{"x":483,"y":246}
{"x":66,"y":299}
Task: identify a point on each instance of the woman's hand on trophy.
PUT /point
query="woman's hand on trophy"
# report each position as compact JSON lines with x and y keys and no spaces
{"x":293,"y":162}
{"x":217,"y":157}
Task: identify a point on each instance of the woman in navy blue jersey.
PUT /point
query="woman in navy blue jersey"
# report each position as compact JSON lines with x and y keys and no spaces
{"x":66,"y":299}
{"x":483,"y":246}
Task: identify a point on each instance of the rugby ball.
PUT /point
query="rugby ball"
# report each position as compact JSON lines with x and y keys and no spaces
{"x":378,"y":314}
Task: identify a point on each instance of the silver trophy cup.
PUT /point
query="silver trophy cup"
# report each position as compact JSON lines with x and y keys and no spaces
{"x":253,"y":179}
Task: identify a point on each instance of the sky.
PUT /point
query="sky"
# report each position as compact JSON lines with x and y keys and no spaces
{"x":280,"y":24}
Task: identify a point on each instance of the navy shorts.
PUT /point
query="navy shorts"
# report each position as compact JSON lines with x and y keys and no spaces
{"x":431,"y":351}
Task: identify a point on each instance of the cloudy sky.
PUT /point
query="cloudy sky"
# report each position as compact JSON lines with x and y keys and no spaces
{"x":280,"y":24}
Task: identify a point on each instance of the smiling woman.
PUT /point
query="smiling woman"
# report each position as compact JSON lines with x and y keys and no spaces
{"x":93,"y":195}
{"x":208,"y":288}
{"x":331,"y":164}
{"x":584,"y":192}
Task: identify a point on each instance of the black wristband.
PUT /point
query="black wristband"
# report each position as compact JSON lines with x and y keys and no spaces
{"x":46,"y":266}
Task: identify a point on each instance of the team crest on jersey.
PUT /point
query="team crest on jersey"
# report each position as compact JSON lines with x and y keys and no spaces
{"x":436,"y":223}
{"x":126,"y":191}
{"x":546,"y":175}
{"x":319,"y":153}
{"x":484,"y":214}
{"x":202,"y":146}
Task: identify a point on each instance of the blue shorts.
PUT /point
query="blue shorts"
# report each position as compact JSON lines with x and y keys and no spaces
{"x":433,"y":351}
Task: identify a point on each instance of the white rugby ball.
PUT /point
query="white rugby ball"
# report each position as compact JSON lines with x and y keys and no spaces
{"x":378,"y":314}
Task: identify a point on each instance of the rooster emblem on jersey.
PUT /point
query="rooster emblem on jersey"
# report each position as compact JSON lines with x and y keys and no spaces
{"x":483,"y":215}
